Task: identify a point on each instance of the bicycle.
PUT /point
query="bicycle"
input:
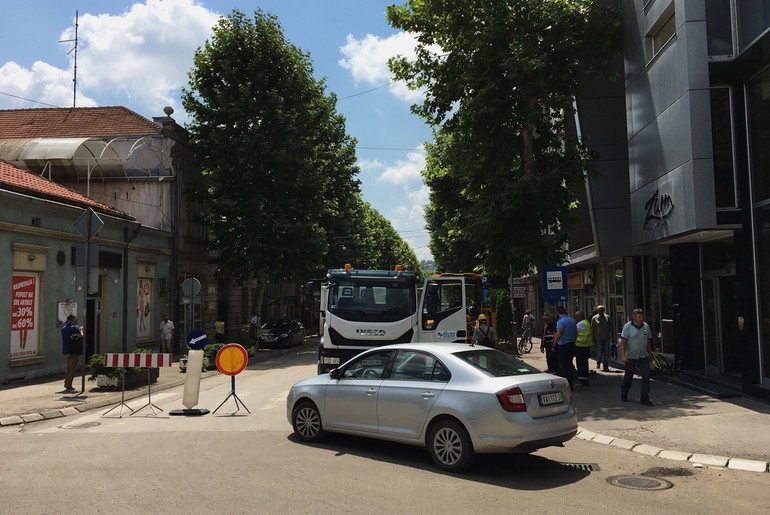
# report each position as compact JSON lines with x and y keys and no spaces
{"x":525,"y":344}
{"x":659,"y":364}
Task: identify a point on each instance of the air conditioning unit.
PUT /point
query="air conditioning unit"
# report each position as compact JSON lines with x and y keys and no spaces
{"x":588,"y":277}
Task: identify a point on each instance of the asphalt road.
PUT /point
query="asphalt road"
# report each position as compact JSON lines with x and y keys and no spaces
{"x":251,"y":463}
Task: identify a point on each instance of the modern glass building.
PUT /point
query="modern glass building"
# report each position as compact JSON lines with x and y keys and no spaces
{"x":680,"y":213}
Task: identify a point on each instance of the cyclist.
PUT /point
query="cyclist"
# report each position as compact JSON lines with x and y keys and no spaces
{"x":527,"y":323}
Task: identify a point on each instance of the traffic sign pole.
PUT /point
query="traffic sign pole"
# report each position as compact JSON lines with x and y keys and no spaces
{"x":88,"y":225}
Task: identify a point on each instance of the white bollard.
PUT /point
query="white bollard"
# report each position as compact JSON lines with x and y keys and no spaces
{"x":192,"y":383}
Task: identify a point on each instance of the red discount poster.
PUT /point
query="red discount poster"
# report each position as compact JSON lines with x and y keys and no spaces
{"x":23,"y":310}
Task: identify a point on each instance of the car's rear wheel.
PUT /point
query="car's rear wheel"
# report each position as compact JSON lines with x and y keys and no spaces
{"x":450,"y":446}
{"x":306,"y":421}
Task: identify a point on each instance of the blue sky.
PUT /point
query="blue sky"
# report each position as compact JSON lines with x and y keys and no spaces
{"x":137,"y":54}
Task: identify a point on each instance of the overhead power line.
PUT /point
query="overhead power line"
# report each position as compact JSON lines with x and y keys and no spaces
{"x":365,"y":92}
{"x":26,"y":99}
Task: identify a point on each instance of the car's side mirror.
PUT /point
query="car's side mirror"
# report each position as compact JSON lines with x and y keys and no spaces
{"x":336,"y":373}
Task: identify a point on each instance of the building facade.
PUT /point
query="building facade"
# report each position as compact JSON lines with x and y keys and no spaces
{"x":684,"y":232}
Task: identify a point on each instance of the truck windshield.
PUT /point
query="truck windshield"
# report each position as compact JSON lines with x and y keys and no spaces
{"x":371,"y":300}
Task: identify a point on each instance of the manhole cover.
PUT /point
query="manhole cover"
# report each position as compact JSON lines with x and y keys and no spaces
{"x":640,"y":482}
{"x":84,"y":425}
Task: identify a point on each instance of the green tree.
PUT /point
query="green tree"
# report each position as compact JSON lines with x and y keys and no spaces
{"x":500,"y":80}
{"x":280,"y":164}
{"x":501,"y":305}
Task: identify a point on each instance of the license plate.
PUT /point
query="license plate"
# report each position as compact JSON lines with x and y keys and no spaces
{"x":330,"y":361}
{"x":546,"y":399}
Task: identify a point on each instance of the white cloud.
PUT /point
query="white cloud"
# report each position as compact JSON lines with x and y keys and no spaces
{"x":143,"y":54}
{"x":405,"y":171}
{"x":43,"y":83}
{"x":367,"y":60}
{"x":370,"y":165}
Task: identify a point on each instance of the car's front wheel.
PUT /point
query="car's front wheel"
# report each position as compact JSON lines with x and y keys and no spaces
{"x":450,"y":446}
{"x":306,"y":421}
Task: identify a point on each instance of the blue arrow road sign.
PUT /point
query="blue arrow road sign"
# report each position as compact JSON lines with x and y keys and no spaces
{"x":197,"y":339}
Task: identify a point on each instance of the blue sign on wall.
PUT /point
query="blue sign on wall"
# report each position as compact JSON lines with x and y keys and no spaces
{"x":554,"y":283}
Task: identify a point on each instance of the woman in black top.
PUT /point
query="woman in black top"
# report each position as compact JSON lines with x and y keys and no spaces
{"x":549,"y":328}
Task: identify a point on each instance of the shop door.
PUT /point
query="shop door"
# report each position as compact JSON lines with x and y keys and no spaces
{"x":721,"y":326}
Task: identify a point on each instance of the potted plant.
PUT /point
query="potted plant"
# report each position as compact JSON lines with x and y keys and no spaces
{"x":209,"y":357}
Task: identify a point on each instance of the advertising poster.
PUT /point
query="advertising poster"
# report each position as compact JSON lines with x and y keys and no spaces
{"x":24,"y":314}
{"x":143,"y":310}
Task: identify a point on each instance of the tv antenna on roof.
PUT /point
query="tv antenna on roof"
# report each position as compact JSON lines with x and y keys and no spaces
{"x":75,"y":69}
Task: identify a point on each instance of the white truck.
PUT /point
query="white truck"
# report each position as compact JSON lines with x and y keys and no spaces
{"x":361,"y":309}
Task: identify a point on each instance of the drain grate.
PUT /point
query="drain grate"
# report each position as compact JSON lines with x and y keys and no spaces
{"x":640,"y":482}
{"x":583,"y":467}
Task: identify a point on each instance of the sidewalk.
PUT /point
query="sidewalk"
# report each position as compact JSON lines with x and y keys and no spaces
{"x":683,"y":425}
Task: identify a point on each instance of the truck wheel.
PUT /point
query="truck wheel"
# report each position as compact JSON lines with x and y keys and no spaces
{"x":306,"y":421}
{"x":450,"y":446}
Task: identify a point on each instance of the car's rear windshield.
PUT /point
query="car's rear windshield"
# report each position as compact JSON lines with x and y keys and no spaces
{"x":496,"y":363}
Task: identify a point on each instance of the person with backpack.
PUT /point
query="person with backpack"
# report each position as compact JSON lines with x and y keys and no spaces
{"x":484,"y":335}
{"x":72,"y":348}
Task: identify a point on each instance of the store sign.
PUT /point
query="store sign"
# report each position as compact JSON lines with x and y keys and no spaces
{"x":658,"y":209}
{"x":575,"y":281}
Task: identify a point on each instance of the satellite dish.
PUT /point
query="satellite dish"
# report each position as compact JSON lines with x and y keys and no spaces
{"x":168,"y":110}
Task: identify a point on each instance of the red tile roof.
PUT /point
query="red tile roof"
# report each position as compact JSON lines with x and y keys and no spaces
{"x":79,"y":122}
{"x":20,"y":181}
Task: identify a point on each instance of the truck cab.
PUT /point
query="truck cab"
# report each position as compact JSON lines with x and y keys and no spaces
{"x":361,"y":309}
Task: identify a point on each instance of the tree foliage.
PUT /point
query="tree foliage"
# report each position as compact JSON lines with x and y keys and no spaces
{"x":500,"y":80}
{"x":284,"y":201}
{"x":281,"y":166}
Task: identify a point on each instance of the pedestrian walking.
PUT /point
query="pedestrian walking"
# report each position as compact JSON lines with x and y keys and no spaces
{"x":635,"y":349}
{"x":166,"y":334}
{"x":582,"y":347}
{"x":564,"y":344}
{"x":72,"y":348}
{"x":546,"y":345}
{"x":601,"y":335}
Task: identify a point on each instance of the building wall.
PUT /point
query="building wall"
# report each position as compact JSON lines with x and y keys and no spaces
{"x":668,"y":122}
{"x":37,"y":239}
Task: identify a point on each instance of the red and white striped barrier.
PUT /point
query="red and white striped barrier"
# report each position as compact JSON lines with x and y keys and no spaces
{"x":118,"y":359}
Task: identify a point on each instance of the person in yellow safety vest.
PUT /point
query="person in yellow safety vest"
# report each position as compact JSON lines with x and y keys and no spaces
{"x":582,"y":347}
{"x":219,"y":331}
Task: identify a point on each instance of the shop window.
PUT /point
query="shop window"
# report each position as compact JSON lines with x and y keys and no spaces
{"x":722,"y":142}
{"x":753,"y":20}
{"x":758,"y":107}
{"x":719,"y":28}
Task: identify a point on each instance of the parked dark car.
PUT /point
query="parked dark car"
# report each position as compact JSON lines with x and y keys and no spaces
{"x":282,"y":333}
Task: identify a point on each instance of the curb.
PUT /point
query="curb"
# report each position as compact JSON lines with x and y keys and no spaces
{"x":698,"y":460}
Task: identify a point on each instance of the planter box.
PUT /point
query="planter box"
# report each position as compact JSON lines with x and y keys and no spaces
{"x":133,"y":379}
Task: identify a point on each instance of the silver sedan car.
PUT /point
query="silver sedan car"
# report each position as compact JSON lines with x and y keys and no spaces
{"x":456,"y":400}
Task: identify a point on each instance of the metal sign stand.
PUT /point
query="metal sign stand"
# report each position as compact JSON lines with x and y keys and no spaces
{"x":122,"y":398}
{"x":235,"y":396}
{"x":152,"y":406}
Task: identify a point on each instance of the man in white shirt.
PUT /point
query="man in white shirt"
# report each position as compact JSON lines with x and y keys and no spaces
{"x":166,"y":334}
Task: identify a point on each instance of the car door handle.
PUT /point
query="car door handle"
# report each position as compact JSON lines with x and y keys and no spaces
{"x":371,"y":391}
{"x":427,"y":395}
